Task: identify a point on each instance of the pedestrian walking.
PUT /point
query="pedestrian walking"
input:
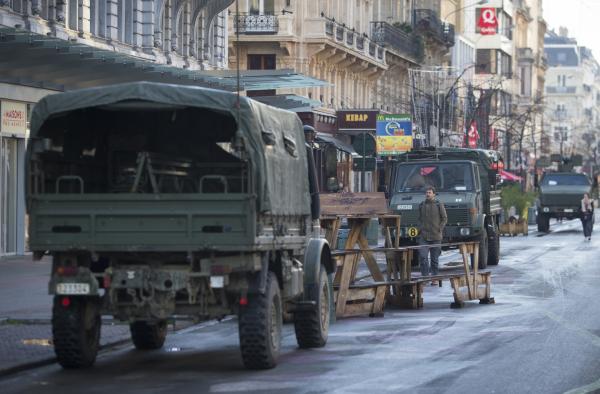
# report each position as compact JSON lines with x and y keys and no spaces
{"x":587,"y":216}
{"x":432,"y":219}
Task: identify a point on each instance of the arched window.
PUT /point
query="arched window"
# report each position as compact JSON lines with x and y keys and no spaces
{"x":166,"y":26}
{"x":98,"y":17}
{"x":125,"y":21}
{"x":198,"y":36}
{"x":17,"y":5}
{"x":72,"y":14}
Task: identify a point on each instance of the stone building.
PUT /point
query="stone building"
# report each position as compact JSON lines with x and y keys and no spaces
{"x":47,"y":46}
{"x":572,"y":116}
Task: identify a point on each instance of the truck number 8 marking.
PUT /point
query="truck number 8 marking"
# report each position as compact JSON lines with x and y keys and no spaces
{"x":413,"y":232}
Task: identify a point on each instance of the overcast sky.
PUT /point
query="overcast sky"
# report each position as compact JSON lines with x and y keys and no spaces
{"x":581,"y":17}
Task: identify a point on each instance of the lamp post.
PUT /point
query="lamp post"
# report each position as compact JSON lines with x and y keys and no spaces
{"x":480,"y":2}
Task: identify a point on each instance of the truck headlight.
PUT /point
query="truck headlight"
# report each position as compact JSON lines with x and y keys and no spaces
{"x":465,"y":231}
{"x":546,"y":209}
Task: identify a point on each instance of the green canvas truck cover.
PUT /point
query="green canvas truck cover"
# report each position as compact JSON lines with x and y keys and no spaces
{"x":279,"y":169}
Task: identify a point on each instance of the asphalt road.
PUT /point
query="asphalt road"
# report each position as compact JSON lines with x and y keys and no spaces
{"x":541,"y":336}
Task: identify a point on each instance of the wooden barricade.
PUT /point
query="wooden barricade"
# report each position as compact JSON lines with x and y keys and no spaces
{"x":358,"y":209}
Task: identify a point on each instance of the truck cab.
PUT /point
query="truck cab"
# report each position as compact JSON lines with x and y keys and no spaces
{"x":465,"y":181}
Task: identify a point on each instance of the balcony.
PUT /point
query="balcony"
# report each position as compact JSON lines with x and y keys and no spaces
{"x":256,"y":24}
{"x":427,"y":22}
{"x":396,"y":40}
{"x":561,"y":89}
{"x":525,"y":55}
{"x":348,"y":38}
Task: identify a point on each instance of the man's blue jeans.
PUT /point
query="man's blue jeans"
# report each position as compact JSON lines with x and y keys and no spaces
{"x":434,"y":251}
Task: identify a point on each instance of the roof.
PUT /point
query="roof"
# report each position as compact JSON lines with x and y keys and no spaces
{"x":277,"y":193}
{"x":341,"y":145}
{"x":53,"y":63}
{"x":562,"y":56}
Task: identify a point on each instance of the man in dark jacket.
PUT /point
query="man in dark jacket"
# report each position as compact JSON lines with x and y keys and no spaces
{"x":432,"y":219}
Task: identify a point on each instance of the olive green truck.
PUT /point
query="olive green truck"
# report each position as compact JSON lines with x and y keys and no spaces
{"x":157,"y":201}
{"x":466,"y":182}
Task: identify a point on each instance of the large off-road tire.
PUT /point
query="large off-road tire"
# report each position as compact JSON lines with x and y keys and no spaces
{"x":76,"y":327}
{"x":494,"y":247}
{"x":312,"y":325}
{"x":483,"y":250}
{"x":148,"y":336}
{"x":543,"y":222}
{"x":260,"y":323}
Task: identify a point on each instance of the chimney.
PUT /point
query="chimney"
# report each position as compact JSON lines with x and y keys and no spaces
{"x":563,"y":31}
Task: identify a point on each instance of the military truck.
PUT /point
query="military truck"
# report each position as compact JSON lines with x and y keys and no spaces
{"x":466,"y":181}
{"x":159,"y":200}
{"x":560,"y":195}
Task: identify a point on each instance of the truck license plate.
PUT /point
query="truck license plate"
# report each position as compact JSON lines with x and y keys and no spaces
{"x":568,"y":210}
{"x":72,"y":288}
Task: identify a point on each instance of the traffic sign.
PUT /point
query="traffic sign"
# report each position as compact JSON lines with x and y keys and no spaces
{"x":364,"y":164}
{"x":364,"y":144}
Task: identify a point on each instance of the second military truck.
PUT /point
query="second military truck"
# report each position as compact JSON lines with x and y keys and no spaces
{"x":160,"y":200}
{"x":560,"y":195}
{"x":466,"y":181}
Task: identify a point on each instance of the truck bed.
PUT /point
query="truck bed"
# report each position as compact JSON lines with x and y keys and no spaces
{"x":141,"y":222}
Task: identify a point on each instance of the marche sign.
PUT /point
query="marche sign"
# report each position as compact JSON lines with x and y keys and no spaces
{"x":488,"y":23}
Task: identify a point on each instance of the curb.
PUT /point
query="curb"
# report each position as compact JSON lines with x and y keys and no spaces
{"x":103,"y":349}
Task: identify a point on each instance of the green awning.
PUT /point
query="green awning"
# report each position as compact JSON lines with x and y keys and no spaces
{"x":48,"y":62}
{"x":291,"y":102}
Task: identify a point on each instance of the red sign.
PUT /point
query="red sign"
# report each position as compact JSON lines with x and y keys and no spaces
{"x":488,"y":23}
{"x":472,"y":135}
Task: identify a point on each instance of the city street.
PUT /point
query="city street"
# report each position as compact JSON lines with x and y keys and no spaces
{"x":541,"y":336}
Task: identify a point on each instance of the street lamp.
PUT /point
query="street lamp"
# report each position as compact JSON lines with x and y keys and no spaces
{"x":480,"y":2}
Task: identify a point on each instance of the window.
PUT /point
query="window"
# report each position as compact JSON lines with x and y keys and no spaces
{"x":261,"y":7}
{"x":493,"y":61}
{"x":261,"y":62}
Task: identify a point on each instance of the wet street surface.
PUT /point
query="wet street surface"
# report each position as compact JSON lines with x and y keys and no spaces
{"x":541,"y":336}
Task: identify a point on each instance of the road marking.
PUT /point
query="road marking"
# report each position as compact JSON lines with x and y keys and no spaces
{"x":590,"y":388}
{"x":580,"y":331}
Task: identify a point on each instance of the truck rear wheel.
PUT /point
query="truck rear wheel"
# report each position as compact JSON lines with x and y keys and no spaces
{"x":543,"y":222}
{"x":312,"y":325}
{"x":76,"y":327}
{"x":494,"y":247}
{"x":148,"y":336}
{"x":260,"y":325}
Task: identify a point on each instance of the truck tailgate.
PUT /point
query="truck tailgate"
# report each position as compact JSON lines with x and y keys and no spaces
{"x":141,"y":222}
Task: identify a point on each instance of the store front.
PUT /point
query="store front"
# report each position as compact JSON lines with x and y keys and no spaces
{"x":13,"y":137}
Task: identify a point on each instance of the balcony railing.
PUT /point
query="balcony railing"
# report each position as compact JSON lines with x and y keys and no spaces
{"x":525,"y":55}
{"x":561,"y":89}
{"x":396,"y":39}
{"x":427,"y":22}
{"x":257,"y":24}
{"x":353,"y":40}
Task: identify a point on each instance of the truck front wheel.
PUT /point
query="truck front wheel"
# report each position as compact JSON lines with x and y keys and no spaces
{"x":483,"y":250}
{"x":494,"y":246}
{"x":312,"y":325}
{"x":148,"y":336}
{"x":76,"y":327}
{"x":543,"y":222}
{"x":260,"y":323}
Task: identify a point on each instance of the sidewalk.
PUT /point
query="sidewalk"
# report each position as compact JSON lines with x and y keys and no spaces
{"x":26,"y":312}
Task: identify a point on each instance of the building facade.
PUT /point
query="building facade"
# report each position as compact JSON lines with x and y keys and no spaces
{"x":572,"y":117}
{"x":48,"y":46}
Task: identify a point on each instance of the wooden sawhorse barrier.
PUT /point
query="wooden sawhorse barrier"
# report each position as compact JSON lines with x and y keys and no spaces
{"x":354,"y":299}
{"x":407,"y":292}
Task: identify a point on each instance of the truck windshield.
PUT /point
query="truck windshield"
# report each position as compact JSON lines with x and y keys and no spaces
{"x":565,"y":180}
{"x":442,"y":176}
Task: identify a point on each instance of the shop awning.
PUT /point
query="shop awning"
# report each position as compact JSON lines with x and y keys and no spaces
{"x":48,"y":62}
{"x":509,"y":176}
{"x":291,"y":102}
{"x":341,"y":145}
